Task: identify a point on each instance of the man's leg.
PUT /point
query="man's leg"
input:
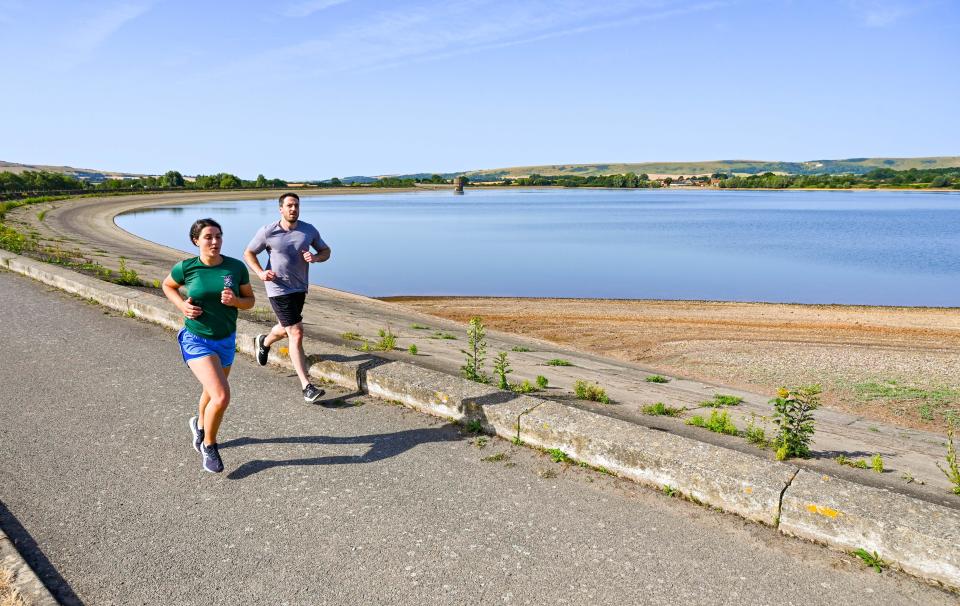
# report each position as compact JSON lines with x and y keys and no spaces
{"x":297,"y":357}
{"x":276,"y":333}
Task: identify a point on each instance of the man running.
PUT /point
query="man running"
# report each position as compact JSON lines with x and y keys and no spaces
{"x":287,"y":243}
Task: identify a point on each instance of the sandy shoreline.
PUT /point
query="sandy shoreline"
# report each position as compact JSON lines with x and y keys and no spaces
{"x":855,"y":352}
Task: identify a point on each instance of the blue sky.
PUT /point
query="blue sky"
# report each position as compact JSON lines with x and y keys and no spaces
{"x":320,"y":88}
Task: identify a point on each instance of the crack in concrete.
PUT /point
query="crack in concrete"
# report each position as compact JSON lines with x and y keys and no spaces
{"x":776,"y":520}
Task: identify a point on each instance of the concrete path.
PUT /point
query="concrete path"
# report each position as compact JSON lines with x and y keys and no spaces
{"x":907,"y":453}
{"x":351,"y":501}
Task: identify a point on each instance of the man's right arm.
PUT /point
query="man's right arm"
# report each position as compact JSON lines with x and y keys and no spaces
{"x":254,"y":264}
{"x":250,"y":256}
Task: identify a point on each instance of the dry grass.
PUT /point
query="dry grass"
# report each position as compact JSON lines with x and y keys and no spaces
{"x":755,"y":346}
{"x":8,"y":595}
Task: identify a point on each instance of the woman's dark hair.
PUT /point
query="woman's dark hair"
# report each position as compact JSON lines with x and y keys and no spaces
{"x":198,"y":226}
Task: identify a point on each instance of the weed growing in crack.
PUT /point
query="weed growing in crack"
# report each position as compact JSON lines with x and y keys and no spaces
{"x":501,"y":368}
{"x":542,"y":382}
{"x":558,"y":362}
{"x":719,"y":422}
{"x":720,"y":400}
{"x":388,"y":340}
{"x":474,"y":426}
{"x":412,"y":349}
{"x":659,"y":409}
{"x":558,"y":456}
{"x":657,"y":379}
{"x":877,"y":463}
{"x":872,"y":560}
{"x":953,"y":466}
{"x":590,"y":391}
{"x":519,"y":348}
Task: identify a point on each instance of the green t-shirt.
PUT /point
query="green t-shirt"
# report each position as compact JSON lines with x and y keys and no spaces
{"x":205,"y":283}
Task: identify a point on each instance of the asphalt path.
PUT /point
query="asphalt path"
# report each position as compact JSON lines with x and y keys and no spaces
{"x":353,"y":501}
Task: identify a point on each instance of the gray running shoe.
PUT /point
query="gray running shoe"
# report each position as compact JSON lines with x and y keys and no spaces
{"x":262,"y":350}
{"x":311,"y":394}
{"x":197,"y":432}
{"x":211,"y":458}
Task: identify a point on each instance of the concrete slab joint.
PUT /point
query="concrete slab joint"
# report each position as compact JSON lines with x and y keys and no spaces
{"x":921,"y":538}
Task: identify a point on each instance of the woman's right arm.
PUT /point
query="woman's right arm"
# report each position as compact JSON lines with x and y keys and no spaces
{"x":171,"y":288}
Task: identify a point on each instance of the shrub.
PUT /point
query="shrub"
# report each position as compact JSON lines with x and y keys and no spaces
{"x":501,"y":368}
{"x":475,"y":352}
{"x":542,"y":382}
{"x":793,"y":414}
{"x":590,"y":391}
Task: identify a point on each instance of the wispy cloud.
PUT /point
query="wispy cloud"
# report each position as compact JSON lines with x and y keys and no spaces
{"x":93,"y":30}
{"x":308,"y":7}
{"x":439,"y":29}
{"x":882,"y":13}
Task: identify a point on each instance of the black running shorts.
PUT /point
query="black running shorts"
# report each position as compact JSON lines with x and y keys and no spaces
{"x":289,"y":308}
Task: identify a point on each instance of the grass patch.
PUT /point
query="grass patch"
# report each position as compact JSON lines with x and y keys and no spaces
{"x":659,"y":409}
{"x":590,"y":391}
{"x":350,"y":336}
{"x":756,"y":435}
{"x":41,"y":215}
{"x":443,"y":335}
{"x":388,"y":340}
{"x":856,"y":464}
{"x":524,"y":386}
{"x":929,"y":401}
{"x":657,"y":379}
{"x":719,"y":422}
{"x":474,"y":426}
{"x":519,"y":348}
{"x":416,"y":326}
{"x":495,"y":458}
{"x":412,"y":350}
{"x":558,"y":362}
{"x":9,"y":596}
{"x":720,"y":400}
{"x":877,"y":463}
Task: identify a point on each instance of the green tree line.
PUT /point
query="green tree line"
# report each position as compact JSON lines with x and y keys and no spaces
{"x":878,"y":178}
{"x":41,"y":181}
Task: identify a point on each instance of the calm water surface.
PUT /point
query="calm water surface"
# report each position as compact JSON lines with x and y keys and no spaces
{"x":879,"y":248}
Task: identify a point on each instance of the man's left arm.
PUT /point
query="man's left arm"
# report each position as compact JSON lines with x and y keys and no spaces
{"x":323,"y":251}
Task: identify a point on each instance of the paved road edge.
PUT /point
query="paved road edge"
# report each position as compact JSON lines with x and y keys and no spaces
{"x":25,"y":581}
{"x":920,"y":538}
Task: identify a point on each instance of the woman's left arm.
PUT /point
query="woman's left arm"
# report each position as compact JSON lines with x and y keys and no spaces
{"x":244,"y":301}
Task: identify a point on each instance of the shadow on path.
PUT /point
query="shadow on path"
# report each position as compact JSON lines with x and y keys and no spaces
{"x":382,"y":446}
{"x":31,"y":552}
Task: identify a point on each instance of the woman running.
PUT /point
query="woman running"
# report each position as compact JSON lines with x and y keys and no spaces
{"x":217,"y":286}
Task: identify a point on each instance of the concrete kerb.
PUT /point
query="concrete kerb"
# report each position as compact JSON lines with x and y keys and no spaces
{"x":24,"y":579}
{"x":732,"y":481}
{"x":919,"y":537}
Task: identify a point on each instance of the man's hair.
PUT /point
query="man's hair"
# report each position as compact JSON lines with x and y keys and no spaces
{"x":289,"y":194}
{"x":198,"y":226}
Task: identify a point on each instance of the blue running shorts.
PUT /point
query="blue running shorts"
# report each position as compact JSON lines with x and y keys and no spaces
{"x":193,"y":347}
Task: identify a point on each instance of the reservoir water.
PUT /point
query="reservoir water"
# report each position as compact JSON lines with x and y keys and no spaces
{"x":853,"y":247}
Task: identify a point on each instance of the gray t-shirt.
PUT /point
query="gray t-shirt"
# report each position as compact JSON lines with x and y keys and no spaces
{"x":285,"y":250}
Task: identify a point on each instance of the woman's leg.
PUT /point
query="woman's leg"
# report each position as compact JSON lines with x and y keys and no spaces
{"x":216,"y":392}
{"x":205,"y":399}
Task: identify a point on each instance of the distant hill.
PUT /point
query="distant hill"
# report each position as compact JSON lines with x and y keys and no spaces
{"x":856,"y":166}
{"x":85,"y":174}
